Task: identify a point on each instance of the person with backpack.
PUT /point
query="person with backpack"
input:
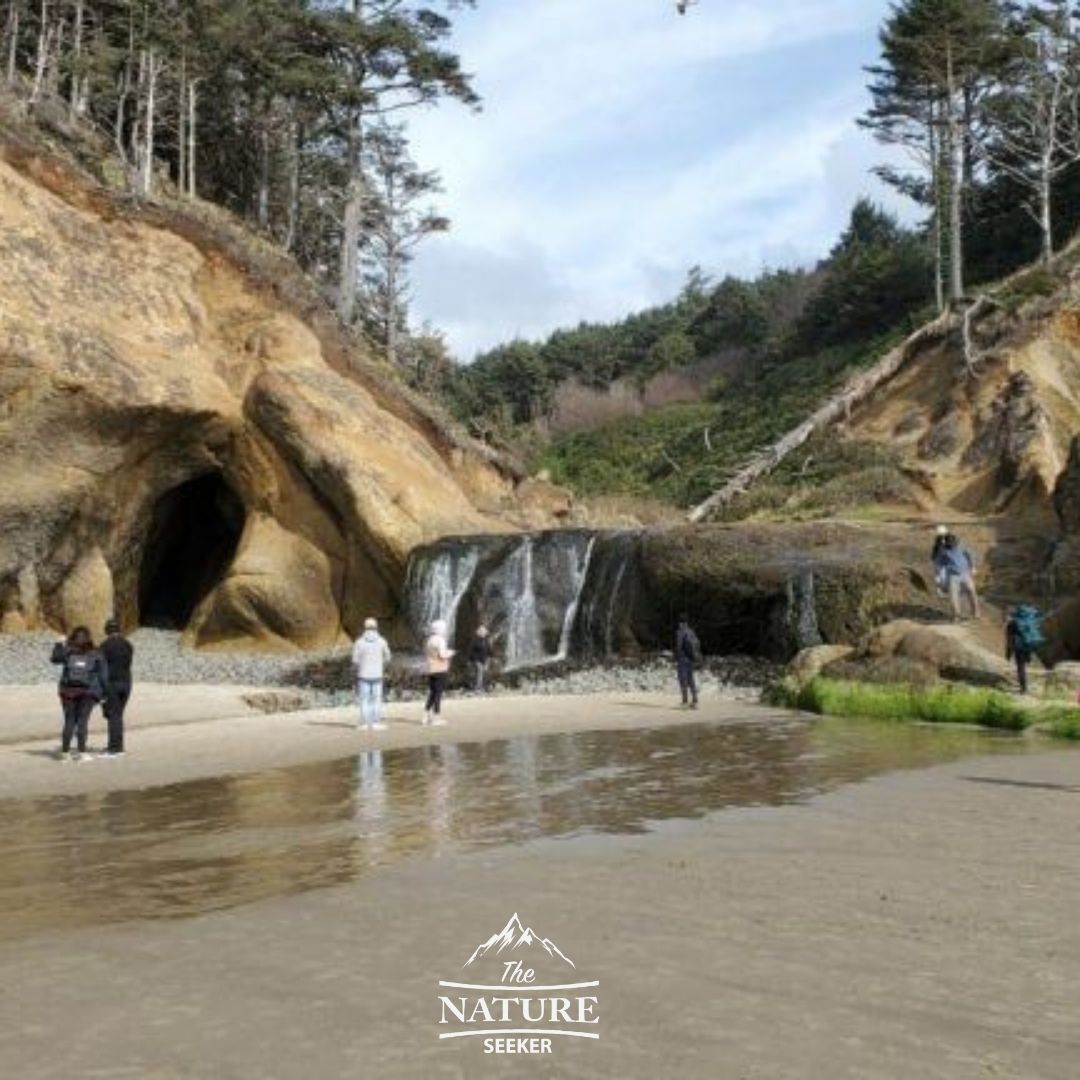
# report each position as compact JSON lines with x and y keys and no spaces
{"x":479,"y":658}
{"x":119,"y":654}
{"x":437,"y":656}
{"x":1023,"y":639}
{"x":84,"y":680}
{"x":370,"y":656}
{"x":687,"y":657}
{"x":956,"y":564}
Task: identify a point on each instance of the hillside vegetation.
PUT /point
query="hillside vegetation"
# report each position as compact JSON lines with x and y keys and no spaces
{"x":986,"y":97}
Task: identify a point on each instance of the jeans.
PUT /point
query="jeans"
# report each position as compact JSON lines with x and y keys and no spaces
{"x":116,"y":699}
{"x":77,"y":712}
{"x":687,"y":682}
{"x":436,"y":688}
{"x":961,"y":585}
{"x":479,"y":671}
{"x":371,"y":701}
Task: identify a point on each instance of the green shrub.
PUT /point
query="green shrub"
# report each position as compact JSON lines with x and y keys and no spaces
{"x":1061,"y":721}
{"x":935,"y":705}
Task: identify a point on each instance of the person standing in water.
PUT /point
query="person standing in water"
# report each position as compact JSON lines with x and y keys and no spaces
{"x":437,"y":654}
{"x":84,"y":679}
{"x":371,"y":654}
{"x":119,"y":654}
{"x":479,"y":658}
{"x":687,"y":655}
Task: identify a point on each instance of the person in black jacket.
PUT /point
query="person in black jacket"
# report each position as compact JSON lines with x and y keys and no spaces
{"x":118,"y":653}
{"x":84,"y":679}
{"x":479,"y":657}
{"x":687,"y":651}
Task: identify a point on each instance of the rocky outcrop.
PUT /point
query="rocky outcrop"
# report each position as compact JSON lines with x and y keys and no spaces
{"x":179,"y":444}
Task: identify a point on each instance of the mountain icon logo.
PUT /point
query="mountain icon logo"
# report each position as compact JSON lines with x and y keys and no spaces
{"x":515,"y":938}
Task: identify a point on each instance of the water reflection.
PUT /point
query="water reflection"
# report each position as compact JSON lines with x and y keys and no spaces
{"x":78,"y":861}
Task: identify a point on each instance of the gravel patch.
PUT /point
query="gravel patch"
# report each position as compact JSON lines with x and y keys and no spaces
{"x":324,"y":679}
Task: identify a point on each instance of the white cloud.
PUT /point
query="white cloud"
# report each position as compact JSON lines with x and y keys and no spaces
{"x":621,"y":144}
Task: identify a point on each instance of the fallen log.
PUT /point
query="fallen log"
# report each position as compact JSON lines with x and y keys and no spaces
{"x":838,"y":407}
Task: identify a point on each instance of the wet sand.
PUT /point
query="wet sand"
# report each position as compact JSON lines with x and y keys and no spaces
{"x":920,"y":924}
{"x":178,"y":746}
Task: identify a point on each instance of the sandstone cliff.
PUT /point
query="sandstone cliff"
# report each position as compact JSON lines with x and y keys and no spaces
{"x":185,"y":440}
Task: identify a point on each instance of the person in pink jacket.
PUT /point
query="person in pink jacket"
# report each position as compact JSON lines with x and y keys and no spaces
{"x":438,"y":655}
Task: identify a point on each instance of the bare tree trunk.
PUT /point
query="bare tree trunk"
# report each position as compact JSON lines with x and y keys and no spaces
{"x":44,"y":37}
{"x":939,"y":232}
{"x":153,"y":70}
{"x":836,"y":408}
{"x":181,"y":127}
{"x":262,"y":213}
{"x":352,"y":222}
{"x":13,"y":40}
{"x":1046,"y":210}
{"x":76,"y":58}
{"x":193,"y":87}
{"x":53,"y":61}
{"x":955,"y":157}
{"x":353,"y":216}
{"x":292,"y":222}
{"x":392,"y":258}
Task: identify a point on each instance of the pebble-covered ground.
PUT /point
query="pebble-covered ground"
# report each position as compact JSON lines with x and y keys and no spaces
{"x":325,"y":677}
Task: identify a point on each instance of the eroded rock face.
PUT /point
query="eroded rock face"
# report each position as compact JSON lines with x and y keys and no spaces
{"x":142,"y":376}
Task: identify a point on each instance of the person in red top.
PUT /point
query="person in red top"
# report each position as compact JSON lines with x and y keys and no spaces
{"x":84,"y":680}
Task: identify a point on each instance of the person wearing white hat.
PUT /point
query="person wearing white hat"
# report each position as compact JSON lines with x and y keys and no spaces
{"x":940,"y":577}
{"x":370,"y":656}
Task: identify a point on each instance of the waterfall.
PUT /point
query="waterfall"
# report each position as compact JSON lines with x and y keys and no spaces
{"x":524,"y":639}
{"x":534,"y":592}
{"x":437,"y":581}
{"x":581,"y":576}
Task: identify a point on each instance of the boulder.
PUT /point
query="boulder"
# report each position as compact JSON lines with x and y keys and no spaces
{"x":810,"y":663}
{"x":948,"y":649}
{"x":190,"y":439}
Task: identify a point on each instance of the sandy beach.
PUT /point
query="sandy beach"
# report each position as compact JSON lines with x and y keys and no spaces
{"x":188,"y":733}
{"x":920,"y":925}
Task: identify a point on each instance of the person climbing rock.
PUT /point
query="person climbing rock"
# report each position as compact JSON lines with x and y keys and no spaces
{"x":84,"y":678}
{"x":958,"y":567}
{"x":437,"y":654}
{"x":119,"y":655}
{"x":940,"y":538}
{"x":687,"y":657}
{"x":1023,"y":640}
{"x":370,"y":656}
{"x":479,"y":658}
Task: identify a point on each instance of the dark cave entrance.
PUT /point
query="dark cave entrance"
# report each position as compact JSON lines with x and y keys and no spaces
{"x":192,"y":540}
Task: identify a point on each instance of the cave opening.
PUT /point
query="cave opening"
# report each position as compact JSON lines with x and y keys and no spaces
{"x":193,"y":536}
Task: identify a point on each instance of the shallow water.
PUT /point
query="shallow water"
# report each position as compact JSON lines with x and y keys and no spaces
{"x":81,"y":861}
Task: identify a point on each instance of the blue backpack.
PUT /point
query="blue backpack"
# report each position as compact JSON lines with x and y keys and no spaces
{"x":1028,"y":623}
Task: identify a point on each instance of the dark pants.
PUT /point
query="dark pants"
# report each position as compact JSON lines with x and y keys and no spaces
{"x":687,"y":682}
{"x":436,"y":688}
{"x":1022,"y":660}
{"x":116,"y":700}
{"x":77,"y":712}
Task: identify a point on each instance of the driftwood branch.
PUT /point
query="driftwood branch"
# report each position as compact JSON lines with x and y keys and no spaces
{"x":838,"y":407}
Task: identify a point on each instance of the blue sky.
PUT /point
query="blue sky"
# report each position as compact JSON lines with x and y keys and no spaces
{"x":620,"y":144}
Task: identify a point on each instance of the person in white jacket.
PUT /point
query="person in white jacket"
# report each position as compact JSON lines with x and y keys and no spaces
{"x":370,"y":656}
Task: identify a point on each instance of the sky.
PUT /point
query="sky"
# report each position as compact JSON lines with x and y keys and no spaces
{"x":620,"y":144}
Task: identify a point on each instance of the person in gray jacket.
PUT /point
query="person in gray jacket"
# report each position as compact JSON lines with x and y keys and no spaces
{"x":370,"y":656}
{"x":84,"y":681}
